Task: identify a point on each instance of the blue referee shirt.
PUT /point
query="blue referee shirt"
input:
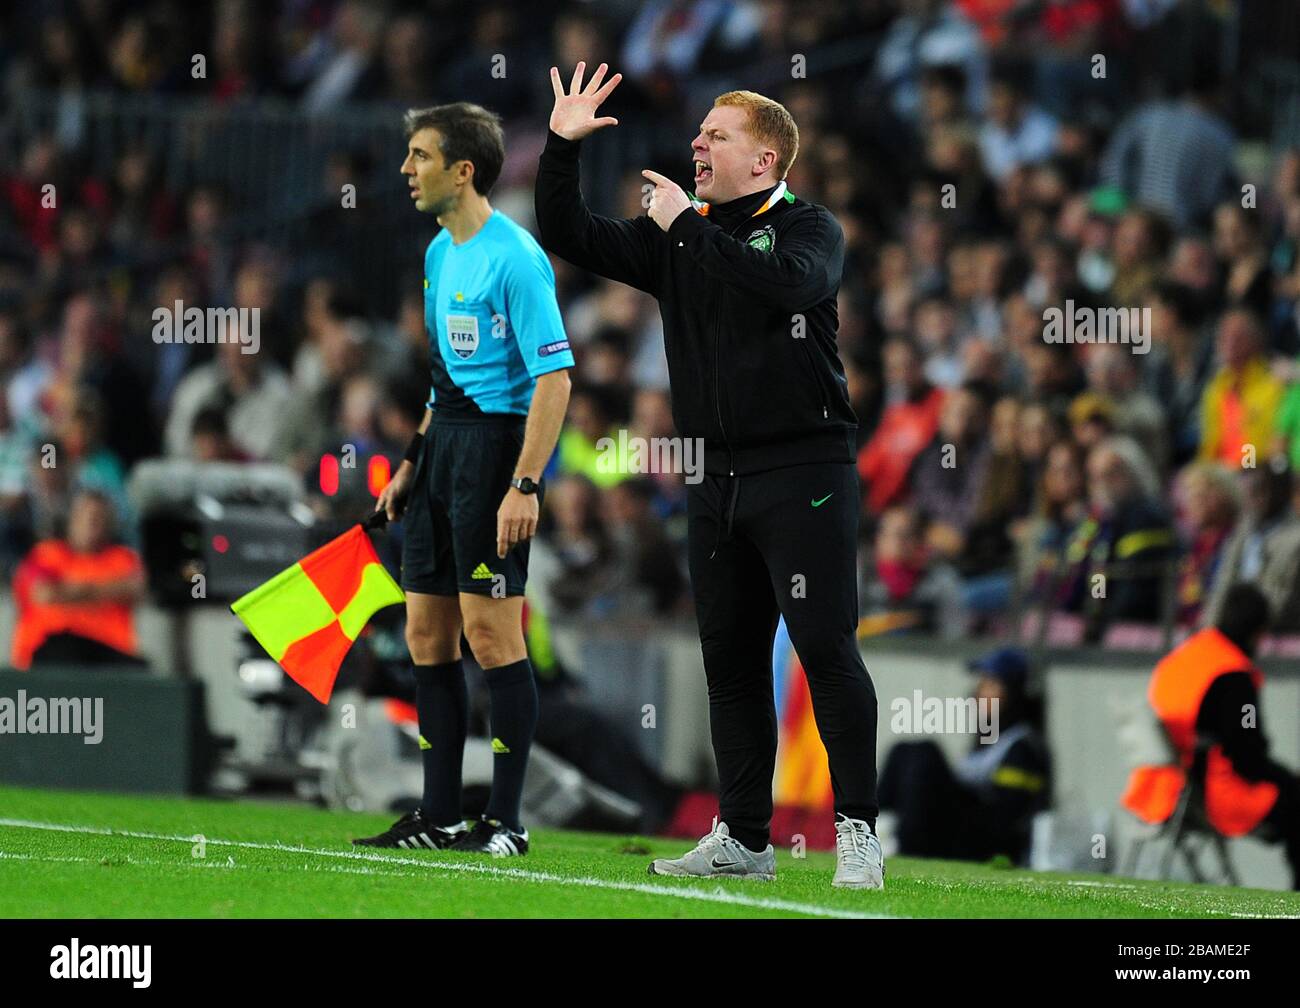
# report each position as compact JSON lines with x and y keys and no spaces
{"x":493,"y":324}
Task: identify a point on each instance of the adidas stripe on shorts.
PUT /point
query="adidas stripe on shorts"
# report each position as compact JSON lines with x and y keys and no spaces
{"x":449,"y":527}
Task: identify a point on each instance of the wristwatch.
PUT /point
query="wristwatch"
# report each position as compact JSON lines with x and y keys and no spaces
{"x":525,"y":485}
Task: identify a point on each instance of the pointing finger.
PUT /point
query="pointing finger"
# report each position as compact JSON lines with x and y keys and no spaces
{"x":556,"y":86}
{"x":656,"y":178}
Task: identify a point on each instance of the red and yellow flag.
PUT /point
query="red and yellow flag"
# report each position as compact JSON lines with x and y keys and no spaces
{"x":308,"y":615}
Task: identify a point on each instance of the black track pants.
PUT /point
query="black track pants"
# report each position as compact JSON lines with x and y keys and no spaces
{"x":782,"y":542}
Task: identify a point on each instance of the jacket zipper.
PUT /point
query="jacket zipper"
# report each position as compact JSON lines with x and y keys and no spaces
{"x":821,"y":389}
{"x":717,"y":372}
{"x":717,"y":388}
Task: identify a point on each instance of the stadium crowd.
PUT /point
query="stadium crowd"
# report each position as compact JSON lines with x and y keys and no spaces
{"x":984,"y":166}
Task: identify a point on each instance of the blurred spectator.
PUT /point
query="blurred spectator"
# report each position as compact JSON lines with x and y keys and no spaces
{"x":1139,"y":248}
{"x":949,"y":476}
{"x":935,"y":324}
{"x":1243,"y":261}
{"x":473,"y":76}
{"x":1263,"y":549}
{"x":669,"y":37}
{"x":50,"y":491}
{"x":406,"y":63}
{"x":1060,"y":507}
{"x":94,"y":465}
{"x":571,"y":562}
{"x":165,"y":364}
{"x":581,"y":451}
{"x":1179,"y":366}
{"x":76,"y":596}
{"x":1092,"y":420}
{"x":1052,"y":374}
{"x":1209,"y":508}
{"x":143,"y":213}
{"x":929,"y":33}
{"x":254,"y":395}
{"x":1240,"y":405}
{"x":1118,"y":557}
{"x":16,"y":451}
{"x":1191,"y":264}
{"x":90,"y":362}
{"x":985,"y":804}
{"x":652,"y":418}
{"x":1016,"y":131}
{"x":904,"y":586}
{"x":646,"y":577}
{"x":1175,"y":156}
{"x":1287,"y":439}
{"x":309,"y":423}
{"x":1038,"y":429}
{"x":210,"y":438}
{"x":1112,"y":372}
{"x":1004,"y":497}
{"x":22,"y":374}
{"x":349,"y":70}
{"x":906,"y":428}
{"x":943,"y":97}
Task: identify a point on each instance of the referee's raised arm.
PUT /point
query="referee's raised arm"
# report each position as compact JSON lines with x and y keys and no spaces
{"x":623,"y":250}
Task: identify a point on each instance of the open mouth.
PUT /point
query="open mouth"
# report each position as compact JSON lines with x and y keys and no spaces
{"x":703,"y":172}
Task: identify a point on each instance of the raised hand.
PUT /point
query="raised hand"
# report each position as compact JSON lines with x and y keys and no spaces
{"x":574,"y":115}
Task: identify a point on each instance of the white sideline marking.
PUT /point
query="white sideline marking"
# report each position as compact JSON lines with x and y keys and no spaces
{"x":1167,"y":908}
{"x":199,"y":863}
{"x":718,"y":895}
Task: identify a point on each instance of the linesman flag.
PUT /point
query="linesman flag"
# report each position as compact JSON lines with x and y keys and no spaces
{"x":308,"y":615}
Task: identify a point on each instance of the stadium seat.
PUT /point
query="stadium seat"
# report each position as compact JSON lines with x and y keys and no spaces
{"x":1188,"y":830}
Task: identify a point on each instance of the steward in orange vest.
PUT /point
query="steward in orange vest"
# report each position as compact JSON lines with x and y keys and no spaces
{"x":1208,"y":687}
{"x":77,"y":594}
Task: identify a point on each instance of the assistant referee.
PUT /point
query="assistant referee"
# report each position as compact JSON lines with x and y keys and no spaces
{"x":746,"y":275}
{"x":471,"y":480}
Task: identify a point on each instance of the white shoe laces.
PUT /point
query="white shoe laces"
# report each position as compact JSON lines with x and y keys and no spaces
{"x":712,"y":840}
{"x":852,"y":843}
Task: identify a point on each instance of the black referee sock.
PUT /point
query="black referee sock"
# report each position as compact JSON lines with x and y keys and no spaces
{"x":442,"y":705}
{"x":514,"y":719}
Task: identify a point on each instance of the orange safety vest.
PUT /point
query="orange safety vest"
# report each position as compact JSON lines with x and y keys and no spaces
{"x":109,"y":623}
{"x":1234,"y":805}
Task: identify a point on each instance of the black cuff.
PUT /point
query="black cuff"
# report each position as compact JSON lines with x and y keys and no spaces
{"x":557,"y":145}
{"x":413,"y":449}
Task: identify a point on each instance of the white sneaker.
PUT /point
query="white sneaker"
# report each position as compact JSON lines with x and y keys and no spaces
{"x":718,"y":854}
{"x":859,"y":863}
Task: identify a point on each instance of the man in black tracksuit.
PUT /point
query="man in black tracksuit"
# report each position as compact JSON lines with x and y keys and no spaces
{"x":747,"y":288}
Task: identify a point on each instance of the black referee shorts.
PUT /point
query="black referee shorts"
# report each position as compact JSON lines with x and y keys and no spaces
{"x":450,"y":523}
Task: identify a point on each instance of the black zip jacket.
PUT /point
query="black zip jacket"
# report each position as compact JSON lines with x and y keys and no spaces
{"x":760,"y":396}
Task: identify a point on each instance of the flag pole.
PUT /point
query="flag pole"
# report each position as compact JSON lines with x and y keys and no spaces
{"x":377,"y":520}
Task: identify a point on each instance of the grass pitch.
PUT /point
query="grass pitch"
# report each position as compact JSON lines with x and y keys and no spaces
{"x":71,"y":854}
